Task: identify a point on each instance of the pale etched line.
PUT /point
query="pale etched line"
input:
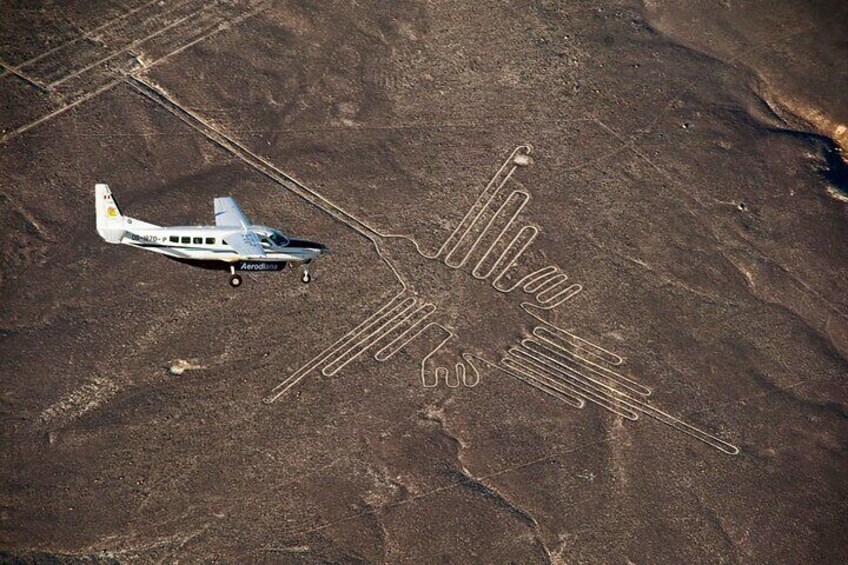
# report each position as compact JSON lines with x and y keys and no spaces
{"x":469,"y":382}
{"x":579,"y":343}
{"x":536,"y":279}
{"x":298,"y":375}
{"x":354,"y":351}
{"x":556,"y":450}
{"x":537,"y":373}
{"x":549,"y":287}
{"x":387,"y":311}
{"x":398,"y":343}
{"x":530,"y":278}
{"x":305,"y":369}
{"x":460,"y":374}
{"x":412,"y":337}
{"x":218,"y":28}
{"x":474,"y":223}
{"x":12,"y":69}
{"x":562,"y":296}
{"x":266,"y":168}
{"x":686,"y":428}
{"x":536,"y":282}
{"x":112,"y":84}
{"x":127,"y":30}
{"x":452,"y":380}
{"x":534,"y":378}
{"x":630,"y":384}
{"x":557,"y":390}
{"x":450,"y":335}
{"x":477,"y":202}
{"x":557,"y":371}
{"x":62,"y":110}
{"x":513,"y":159}
{"x":605,"y":383}
{"x":664,"y":417}
{"x":302,"y":130}
{"x":444,"y":374}
{"x":87,"y":35}
{"x":131,"y":46}
{"x":534,"y":232}
{"x":480,"y":198}
{"x":399,"y":322}
{"x":543,"y":363}
{"x":104,"y":42}
{"x":367,"y":324}
{"x":635,"y":404}
{"x":261,"y":164}
{"x":590,"y":348}
{"x":365,"y":332}
{"x":525,"y":197}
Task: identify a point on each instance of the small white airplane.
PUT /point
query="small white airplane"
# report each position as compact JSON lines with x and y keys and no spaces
{"x":233,"y":243}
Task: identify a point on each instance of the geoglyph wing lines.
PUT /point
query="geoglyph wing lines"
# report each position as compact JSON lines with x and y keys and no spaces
{"x":488,"y":244}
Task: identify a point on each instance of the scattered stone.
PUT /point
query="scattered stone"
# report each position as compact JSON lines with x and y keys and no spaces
{"x":180,"y":366}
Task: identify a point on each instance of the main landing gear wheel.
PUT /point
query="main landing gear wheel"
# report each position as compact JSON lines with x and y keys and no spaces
{"x":235,"y":280}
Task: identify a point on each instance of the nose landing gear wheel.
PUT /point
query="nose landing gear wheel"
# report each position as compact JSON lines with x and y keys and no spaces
{"x":235,"y":281}
{"x":306,"y":278}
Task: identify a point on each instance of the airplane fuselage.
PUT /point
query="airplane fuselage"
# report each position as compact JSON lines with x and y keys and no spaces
{"x":204,"y":246}
{"x":233,"y":243}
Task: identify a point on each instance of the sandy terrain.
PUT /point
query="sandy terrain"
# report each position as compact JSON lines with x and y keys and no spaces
{"x":587,"y":299}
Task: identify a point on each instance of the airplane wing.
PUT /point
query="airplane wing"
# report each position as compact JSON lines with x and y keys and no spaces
{"x":245,"y":244}
{"x":227,"y":213}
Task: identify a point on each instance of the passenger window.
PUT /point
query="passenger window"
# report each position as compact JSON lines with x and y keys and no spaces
{"x":198,"y":240}
{"x":210,"y":241}
{"x":174,"y":239}
{"x":186,"y":240}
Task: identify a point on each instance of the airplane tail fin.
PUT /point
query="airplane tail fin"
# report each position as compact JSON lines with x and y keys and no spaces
{"x":111,"y":224}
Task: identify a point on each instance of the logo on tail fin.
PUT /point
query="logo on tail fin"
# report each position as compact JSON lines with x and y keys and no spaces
{"x":112,"y":212}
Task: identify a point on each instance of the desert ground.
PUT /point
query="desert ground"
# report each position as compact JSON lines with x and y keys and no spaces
{"x":587,"y":300}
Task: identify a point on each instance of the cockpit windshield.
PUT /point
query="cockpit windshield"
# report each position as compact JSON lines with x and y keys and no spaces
{"x":278,"y":239}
